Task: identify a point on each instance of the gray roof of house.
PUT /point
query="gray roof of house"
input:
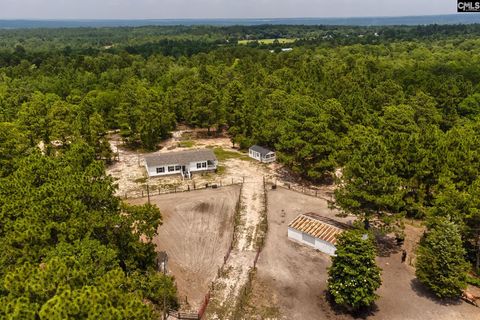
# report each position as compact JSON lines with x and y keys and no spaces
{"x":180,"y":157}
{"x":263,"y":151}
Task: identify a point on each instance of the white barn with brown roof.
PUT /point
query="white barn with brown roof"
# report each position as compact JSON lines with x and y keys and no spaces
{"x":316,"y":231}
{"x":181,"y":162}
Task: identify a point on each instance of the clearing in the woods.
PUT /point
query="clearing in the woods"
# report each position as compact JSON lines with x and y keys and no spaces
{"x":290,"y":279}
{"x":196,"y":234}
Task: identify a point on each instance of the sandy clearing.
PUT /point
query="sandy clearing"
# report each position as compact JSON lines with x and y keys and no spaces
{"x":196,"y":233}
{"x":228,"y":287}
{"x":131,"y":177}
{"x":292,"y":275}
{"x":291,"y":278}
{"x":253,"y":204}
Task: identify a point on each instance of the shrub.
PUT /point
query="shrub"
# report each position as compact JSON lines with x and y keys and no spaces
{"x":354,"y":276}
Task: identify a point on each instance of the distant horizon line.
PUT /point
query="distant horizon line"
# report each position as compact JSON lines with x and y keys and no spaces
{"x":259,"y":18}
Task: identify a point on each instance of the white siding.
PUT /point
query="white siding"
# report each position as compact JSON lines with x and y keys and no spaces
{"x":305,"y":239}
{"x":152,"y":171}
{"x":294,"y":234}
{"x":192,"y":167}
{"x":255,"y":155}
{"x":325,"y":247}
{"x":269,"y":157}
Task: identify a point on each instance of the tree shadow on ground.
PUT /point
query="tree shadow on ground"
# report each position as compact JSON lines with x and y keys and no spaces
{"x":423,"y":292}
{"x":344,"y":312}
{"x":387,"y":245}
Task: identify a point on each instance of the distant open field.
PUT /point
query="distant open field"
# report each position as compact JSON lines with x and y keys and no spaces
{"x":196,"y":233}
{"x":268,"y":41}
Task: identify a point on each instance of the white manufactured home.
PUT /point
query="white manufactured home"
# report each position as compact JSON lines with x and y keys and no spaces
{"x":262,"y":154}
{"x":316,"y":231}
{"x":182,"y":162}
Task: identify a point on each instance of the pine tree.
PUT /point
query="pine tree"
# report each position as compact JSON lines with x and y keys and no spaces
{"x":354,"y":276}
{"x":441,"y":264}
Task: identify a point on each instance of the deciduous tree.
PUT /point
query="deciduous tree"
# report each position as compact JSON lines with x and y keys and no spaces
{"x":354,"y":276}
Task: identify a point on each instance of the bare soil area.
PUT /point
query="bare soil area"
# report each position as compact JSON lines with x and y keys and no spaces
{"x":291,"y":278}
{"x":229,"y":285}
{"x":131,"y":176}
{"x":294,"y":275}
{"x":196,"y":233}
{"x":290,"y":281}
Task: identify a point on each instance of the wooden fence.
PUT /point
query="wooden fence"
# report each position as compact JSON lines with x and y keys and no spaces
{"x":206,"y":300}
{"x":300,"y":189}
{"x":183,"y":315}
{"x":153,"y":190}
{"x":204,"y":305}
{"x":247,"y":288}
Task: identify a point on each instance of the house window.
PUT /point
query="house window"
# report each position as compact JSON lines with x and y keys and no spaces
{"x":178,"y":168}
{"x":161,"y":170}
{"x":199,"y":165}
{"x":171,"y":168}
{"x":204,"y":164}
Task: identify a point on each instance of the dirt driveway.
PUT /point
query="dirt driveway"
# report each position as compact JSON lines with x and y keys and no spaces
{"x":196,"y":233}
{"x":131,"y":177}
{"x":291,"y":278}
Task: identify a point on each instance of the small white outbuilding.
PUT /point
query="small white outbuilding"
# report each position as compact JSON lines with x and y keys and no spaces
{"x":316,"y":231}
{"x":261,"y":154}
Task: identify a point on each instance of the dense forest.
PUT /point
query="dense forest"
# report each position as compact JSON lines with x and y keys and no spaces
{"x":392,"y":114}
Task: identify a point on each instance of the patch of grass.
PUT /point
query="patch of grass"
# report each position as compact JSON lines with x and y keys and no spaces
{"x":245,"y":296}
{"x":474,"y":281}
{"x":186,"y":144}
{"x":168,"y":186}
{"x":260,"y":304}
{"x":262,"y":228}
{"x":221,"y":170}
{"x":140,"y":180}
{"x":269,"y":41}
{"x":223,"y":154}
{"x":238,"y":220}
{"x":224,"y":272}
{"x":215,"y":307}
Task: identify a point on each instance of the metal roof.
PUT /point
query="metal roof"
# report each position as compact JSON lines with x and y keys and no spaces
{"x":180,"y":157}
{"x":263,"y":151}
{"x":319,"y":227}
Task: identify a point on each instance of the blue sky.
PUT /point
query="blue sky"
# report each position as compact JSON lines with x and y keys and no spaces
{"x":165,"y":9}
